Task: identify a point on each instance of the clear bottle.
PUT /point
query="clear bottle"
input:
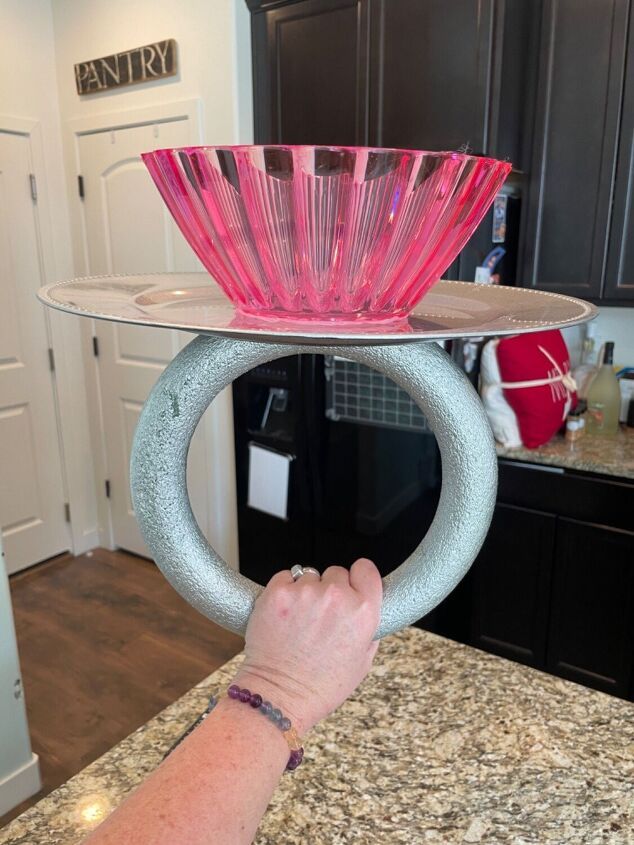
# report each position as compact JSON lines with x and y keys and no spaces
{"x":587,"y":369}
{"x":604,"y":398}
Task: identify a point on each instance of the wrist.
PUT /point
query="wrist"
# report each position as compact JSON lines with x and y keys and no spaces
{"x":279,"y":694}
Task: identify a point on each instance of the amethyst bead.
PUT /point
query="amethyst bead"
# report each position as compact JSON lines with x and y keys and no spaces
{"x":256,"y":700}
{"x":285,"y":724}
{"x":233,"y":691}
{"x":266,"y":707}
{"x":295,"y":759}
{"x":244,"y":695}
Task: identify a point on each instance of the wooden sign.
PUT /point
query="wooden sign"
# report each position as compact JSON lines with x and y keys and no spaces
{"x":142,"y":64}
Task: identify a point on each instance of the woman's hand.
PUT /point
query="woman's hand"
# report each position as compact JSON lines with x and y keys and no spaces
{"x":309,"y":643}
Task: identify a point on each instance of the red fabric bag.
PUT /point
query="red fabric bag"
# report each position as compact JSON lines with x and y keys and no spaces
{"x":535,"y":372}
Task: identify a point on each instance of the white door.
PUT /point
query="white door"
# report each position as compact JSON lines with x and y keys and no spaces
{"x":32,"y":512}
{"x":129,"y":230}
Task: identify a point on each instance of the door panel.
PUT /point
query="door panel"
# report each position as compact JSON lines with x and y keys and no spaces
{"x":592,"y":620}
{"x":310,"y":73}
{"x":429,"y":90}
{"x":577,"y":114}
{"x":129,"y":230}
{"x":32,"y":491}
{"x":511,"y":578}
{"x":619,"y":281}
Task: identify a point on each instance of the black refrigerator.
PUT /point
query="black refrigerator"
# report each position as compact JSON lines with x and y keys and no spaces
{"x":362,"y":467}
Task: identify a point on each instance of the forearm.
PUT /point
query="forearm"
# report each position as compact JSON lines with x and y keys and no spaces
{"x":214,"y":788}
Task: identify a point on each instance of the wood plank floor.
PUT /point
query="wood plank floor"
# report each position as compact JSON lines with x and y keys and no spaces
{"x":105,"y":643}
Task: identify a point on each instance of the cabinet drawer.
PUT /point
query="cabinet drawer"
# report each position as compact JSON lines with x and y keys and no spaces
{"x":569,"y":494}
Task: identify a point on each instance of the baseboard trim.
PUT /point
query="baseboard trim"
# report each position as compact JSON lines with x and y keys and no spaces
{"x":20,"y":785}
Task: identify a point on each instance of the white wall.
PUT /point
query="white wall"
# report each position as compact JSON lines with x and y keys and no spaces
{"x":213,"y":57}
{"x":28,"y":90}
{"x":214,"y":61}
{"x":41,"y":41}
{"x":214,"y":67}
{"x":616,"y":324}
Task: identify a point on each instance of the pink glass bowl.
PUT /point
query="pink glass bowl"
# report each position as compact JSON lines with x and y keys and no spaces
{"x":325,"y":233}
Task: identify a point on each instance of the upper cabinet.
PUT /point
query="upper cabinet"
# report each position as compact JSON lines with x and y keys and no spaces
{"x":580,"y":82}
{"x":445,"y":76}
{"x":547,"y":84}
{"x":416,"y":74}
{"x":619,"y":278}
{"x":421,"y":74}
{"x":310,"y":72}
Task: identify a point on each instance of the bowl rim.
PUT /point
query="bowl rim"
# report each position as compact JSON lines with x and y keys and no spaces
{"x":332,"y":147}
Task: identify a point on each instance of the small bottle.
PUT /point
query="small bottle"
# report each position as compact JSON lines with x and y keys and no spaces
{"x":575,"y":425}
{"x":604,"y":398}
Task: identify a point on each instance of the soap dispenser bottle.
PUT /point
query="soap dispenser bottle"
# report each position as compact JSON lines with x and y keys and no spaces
{"x":604,"y":397}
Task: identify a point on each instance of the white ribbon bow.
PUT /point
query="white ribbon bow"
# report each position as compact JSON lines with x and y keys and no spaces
{"x":561,"y":382}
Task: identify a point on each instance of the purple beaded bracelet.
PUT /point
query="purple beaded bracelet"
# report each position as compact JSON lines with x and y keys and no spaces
{"x":266,"y":708}
{"x":274,"y":715}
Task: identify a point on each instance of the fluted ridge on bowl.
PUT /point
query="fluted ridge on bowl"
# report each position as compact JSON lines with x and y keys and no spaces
{"x":325,"y":232}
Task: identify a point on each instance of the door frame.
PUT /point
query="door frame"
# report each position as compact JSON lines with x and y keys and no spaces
{"x":222,"y":520}
{"x":64,"y":339}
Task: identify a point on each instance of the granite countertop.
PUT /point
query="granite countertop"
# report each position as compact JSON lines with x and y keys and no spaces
{"x":604,"y":455}
{"x":442,"y":744}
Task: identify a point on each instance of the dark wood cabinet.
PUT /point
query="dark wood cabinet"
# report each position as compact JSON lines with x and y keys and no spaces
{"x":310,"y":72}
{"x":619,"y":280}
{"x":418,"y":98}
{"x":511,"y":585}
{"x":553,"y":585}
{"x":447,"y":75}
{"x":421,"y":74}
{"x":591,"y":636}
{"x":581,"y":59}
{"x":548,"y":84}
{"x":550,"y":587}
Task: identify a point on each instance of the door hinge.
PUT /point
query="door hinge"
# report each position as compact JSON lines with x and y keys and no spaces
{"x":80,"y":186}
{"x":51,"y":360}
{"x":33,"y":184}
{"x":95,"y":346}
{"x":107,"y":485}
{"x":67,"y":511}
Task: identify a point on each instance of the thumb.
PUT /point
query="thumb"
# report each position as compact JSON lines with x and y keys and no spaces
{"x":365,"y":578}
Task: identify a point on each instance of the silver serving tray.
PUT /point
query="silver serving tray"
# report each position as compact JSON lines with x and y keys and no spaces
{"x":193,"y":302}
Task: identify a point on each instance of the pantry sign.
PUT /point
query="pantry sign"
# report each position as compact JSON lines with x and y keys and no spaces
{"x":142,"y":64}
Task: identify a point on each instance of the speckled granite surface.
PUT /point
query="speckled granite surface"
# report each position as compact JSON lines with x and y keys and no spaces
{"x":605,"y":455}
{"x":443,"y":744}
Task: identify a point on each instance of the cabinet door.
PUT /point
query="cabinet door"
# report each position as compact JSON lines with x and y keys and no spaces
{"x":310,"y":72}
{"x":511,"y":585}
{"x":579,"y":89}
{"x":447,"y":75}
{"x":591,"y":638}
{"x":430,"y":62}
{"x":619,"y":282}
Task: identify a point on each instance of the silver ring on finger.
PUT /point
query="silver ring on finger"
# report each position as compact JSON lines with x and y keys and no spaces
{"x":312,"y":571}
{"x":297,"y":571}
